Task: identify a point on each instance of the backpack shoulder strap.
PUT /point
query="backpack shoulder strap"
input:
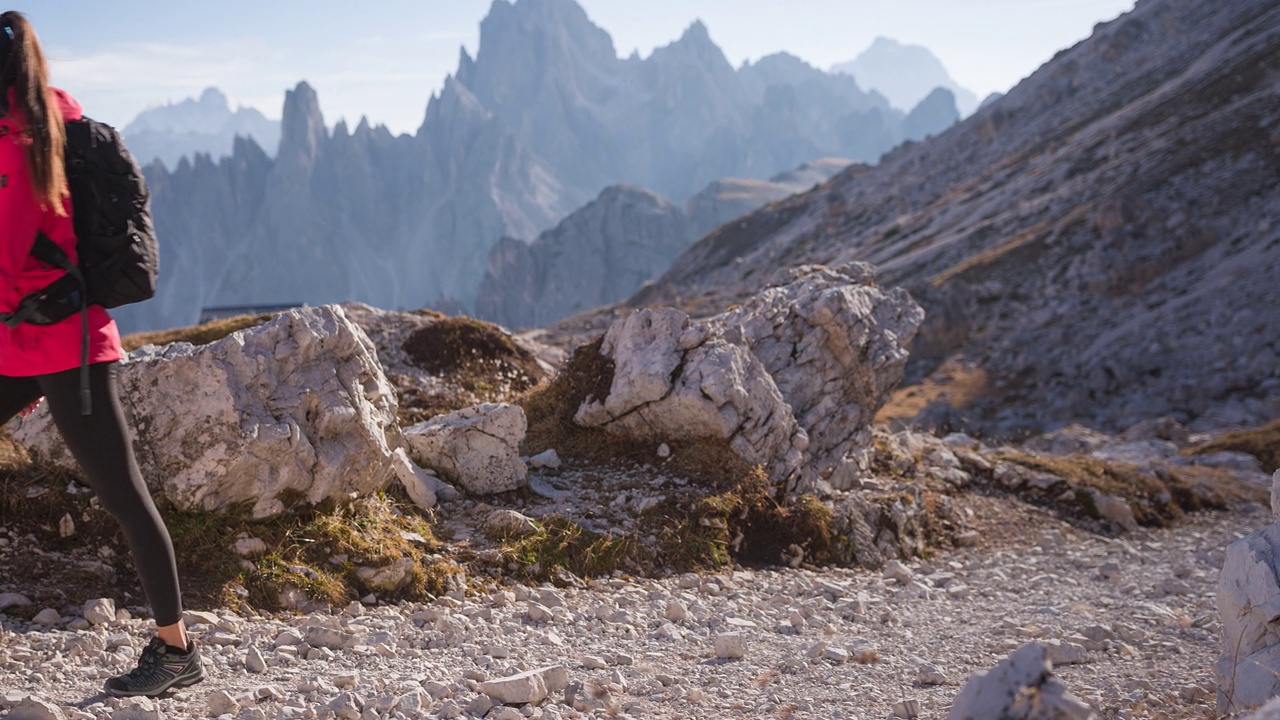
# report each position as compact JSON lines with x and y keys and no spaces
{"x":49,"y":253}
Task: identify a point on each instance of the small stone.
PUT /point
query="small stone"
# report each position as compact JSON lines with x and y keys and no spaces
{"x":247,"y":546}
{"x":66,"y":526}
{"x":8,"y":600}
{"x":836,"y":654}
{"x":546,"y":459}
{"x":222,"y":703}
{"x":895,"y":570}
{"x":1061,"y":652}
{"x":100,"y":611}
{"x":906,"y":709}
{"x":592,"y":662}
{"x":927,"y":674}
{"x":254,"y":662}
{"x":137,"y":708}
{"x":540,"y":613}
{"x":347,"y":706}
{"x":730,"y":646}
{"x":509,"y":523}
{"x":676,"y":611}
{"x":47,"y":616}
{"x":532,"y":686}
{"x":198,"y":617}
{"x":34,"y":708}
{"x":664,"y":451}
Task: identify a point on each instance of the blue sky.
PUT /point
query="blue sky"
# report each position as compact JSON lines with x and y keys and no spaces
{"x":384,"y":58}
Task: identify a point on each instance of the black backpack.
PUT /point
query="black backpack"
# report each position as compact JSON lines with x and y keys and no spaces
{"x":111,"y":209}
{"x":115,"y":240}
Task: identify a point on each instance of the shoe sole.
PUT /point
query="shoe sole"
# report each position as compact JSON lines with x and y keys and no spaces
{"x":177,"y":682}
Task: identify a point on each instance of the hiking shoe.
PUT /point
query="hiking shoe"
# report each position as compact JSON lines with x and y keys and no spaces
{"x":159,"y":669}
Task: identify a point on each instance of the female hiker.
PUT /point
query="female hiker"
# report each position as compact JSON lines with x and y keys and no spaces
{"x":44,"y":360}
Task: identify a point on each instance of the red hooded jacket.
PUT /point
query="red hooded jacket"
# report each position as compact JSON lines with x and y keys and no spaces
{"x":28,"y":349}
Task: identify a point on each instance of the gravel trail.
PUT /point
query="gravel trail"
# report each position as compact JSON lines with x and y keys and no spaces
{"x":1130,"y":619}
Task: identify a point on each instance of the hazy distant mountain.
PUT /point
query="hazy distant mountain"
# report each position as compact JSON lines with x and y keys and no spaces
{"x":905,"y":74}
{"x":543,"y":119}
{"x":207,"y":125}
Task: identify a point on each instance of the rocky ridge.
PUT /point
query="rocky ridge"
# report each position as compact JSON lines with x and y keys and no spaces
{"x":1102,"y":241}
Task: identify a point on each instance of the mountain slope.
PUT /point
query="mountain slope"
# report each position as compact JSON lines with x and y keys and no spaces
{"x":1102,"y":243}
{"x":606,"y":250}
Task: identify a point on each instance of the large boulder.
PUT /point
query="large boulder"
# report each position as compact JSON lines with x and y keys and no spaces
{"x":1020,"y":686}
{"x":791,"y":379}
{"x":296,"y":408}
{"x":1248,"y":673}
{"x":478,"y":447}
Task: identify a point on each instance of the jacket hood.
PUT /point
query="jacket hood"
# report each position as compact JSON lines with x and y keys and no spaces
{"x":71,"y":109}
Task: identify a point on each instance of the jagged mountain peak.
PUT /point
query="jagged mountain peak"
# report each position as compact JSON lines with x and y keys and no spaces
{"x":302,"y":129}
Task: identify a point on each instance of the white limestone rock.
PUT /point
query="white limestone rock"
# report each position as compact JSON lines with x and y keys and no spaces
{"x":478,"y":447}
{"x":532,"y":686}
{"x":1270,"y":711}
{"x":34,"y":708}
{"x":1275,"y":495}
{"x":546,"y":459}
{"x":1023,"y":686}
{"x":1248,"y":672}
{"x":100,"y":611}
{"x":791,"y":379}
{"x":297,"y":405}
{"x":389,"y":578}
{"x":509,"y":523}
{"x":730,"y":646}
{"x":253,"y":660}
{"x":250,"y":546}
{"x":47,"y":616}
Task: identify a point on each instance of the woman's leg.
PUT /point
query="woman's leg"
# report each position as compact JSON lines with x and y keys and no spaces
{"x":100,"y":444}
{"x":16,"y":393}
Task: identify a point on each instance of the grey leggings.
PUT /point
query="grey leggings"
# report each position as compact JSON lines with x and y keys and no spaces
{"x":100,"y":444}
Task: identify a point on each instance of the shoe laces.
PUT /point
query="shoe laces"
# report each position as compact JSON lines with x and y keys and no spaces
{"x":149,"y":663}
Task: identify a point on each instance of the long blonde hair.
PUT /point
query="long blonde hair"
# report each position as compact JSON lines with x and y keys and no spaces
{"x":25,"y":71}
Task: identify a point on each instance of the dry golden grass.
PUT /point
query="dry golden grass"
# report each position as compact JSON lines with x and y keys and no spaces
{"x":953,"y":383}
{"x":196,"y":334}
{"x":1156,"y":499}
{"x":1261,"y":442}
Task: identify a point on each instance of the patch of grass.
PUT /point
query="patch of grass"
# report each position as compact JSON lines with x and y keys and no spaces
{"x":1156,"y":499}
{"x":474,"y":352}
{"x":1261,"y":442}
{"x":209,"y":332}
{"x":480,"y":361}
{"x":1148,"y":495}
{"x":374,"y":531}
{"x":562,"y":543}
